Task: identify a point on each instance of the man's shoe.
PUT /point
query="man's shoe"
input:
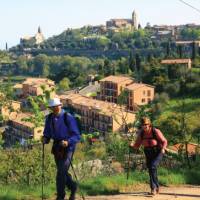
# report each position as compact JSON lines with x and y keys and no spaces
{"x":73,"y":192}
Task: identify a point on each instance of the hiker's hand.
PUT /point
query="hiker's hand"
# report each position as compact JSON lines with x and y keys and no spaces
{"x":163,"y":151}
{"x":64,"y":143}
{"x":131,"y":145}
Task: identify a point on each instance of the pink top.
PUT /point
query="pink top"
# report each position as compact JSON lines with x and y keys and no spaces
{"x":161,"y":140}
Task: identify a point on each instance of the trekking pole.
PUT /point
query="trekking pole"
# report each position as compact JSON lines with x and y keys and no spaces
{"x":129,"y":158}
{"x":42,"y":171}
{"x":77,"y":180}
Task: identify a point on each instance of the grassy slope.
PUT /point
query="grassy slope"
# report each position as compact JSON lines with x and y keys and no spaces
{"x":192,"y":109}
{"x":106,"y":184}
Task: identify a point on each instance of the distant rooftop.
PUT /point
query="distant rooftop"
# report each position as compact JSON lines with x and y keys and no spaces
{"x":176,"y":61}
{"x":136,"y":86}
{"x":20,"y":119}
{"x":102,"y":106}
{"x":116,"y":79}
{"x":38,"y":81}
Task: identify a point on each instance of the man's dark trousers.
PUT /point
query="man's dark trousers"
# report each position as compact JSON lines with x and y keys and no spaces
{"x":63,"y":177}
{"x":153,"y":158}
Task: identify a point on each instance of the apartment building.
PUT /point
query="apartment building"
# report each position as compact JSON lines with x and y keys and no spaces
{"x":139,"y":94}
{"x":98,"y":115}
{"x":19,"y":131}
{"x":33,"y":87}
{"x":112,"y":86}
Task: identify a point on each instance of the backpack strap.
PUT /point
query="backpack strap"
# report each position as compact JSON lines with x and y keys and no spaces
{"x":50,"y":120}
{"x":154,"y":135}
{"x":66,"y":119}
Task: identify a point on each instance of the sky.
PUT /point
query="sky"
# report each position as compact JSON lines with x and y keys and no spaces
{"x":19,"y":18}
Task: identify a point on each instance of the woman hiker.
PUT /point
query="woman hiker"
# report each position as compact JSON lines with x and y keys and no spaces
{"x":154,"y":148}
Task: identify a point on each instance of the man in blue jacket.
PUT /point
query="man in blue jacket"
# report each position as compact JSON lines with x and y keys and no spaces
{"x":65,"y":136}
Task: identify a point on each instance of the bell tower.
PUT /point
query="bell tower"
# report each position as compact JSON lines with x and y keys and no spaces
{"x":135,"y":20}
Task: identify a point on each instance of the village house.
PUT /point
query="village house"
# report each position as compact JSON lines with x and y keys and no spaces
{"x":98,"y":115}
{"x":19,"y":130}
{"x":112,"y":86}
{"x":33,"y":87}
{"x":139,"y":94}
{"x":186,"y":62}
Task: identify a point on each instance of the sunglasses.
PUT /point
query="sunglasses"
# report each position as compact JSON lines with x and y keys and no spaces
{"x":145,"y":124}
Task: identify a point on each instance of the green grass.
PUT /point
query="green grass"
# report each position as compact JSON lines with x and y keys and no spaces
{"x":106,"y":185}
{"x":195,"y":69}
{"x":12,"y":192}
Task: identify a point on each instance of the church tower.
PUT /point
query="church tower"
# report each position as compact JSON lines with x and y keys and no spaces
{"x":39,"y":30}
{"x":39,"y":38}
{"x":135,"y":20}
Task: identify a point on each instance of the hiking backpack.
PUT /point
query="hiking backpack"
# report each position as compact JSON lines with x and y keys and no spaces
{"x":76,"y":117}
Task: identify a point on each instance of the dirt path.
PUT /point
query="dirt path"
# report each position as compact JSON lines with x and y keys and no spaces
{"x":167,"y":193}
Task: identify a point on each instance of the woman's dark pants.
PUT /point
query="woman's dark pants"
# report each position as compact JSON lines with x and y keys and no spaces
{"x":153,"y":158}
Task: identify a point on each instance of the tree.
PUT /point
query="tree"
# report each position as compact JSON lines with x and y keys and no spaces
{"x":193,"y":50}
{"x":138,"y":66}
{"x":123,"y":66}
{"x":180,"y":51}
{"x":22,"y":64}
{"x":40,"y":61}
{"x":64,"y":84}
{"x":131,"y":62}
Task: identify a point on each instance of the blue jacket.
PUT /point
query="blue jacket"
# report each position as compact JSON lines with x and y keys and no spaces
{"x":56,"y":129}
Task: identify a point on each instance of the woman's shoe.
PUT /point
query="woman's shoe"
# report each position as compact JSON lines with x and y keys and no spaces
{"x":153,"y":192}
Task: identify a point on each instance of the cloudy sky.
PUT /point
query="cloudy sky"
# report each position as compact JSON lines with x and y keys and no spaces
{"x":20,"y":18}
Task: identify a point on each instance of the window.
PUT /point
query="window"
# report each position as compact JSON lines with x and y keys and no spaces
{"x":143,"y":100}
{"x":149,"y":93}
{"x":144,"y":92}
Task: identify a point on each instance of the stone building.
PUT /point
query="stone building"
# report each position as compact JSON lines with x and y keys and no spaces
{"x":124,"y":23}
{"x":30,"y":41}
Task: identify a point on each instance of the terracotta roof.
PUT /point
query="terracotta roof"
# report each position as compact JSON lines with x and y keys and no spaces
{"x":107,"y":108}
{"x":17,"y":86}
{"x":38,"y":81}
{"x":136,"y":86}
{"x":187,"y":42}
{"x":191,"y":147}
{"x":116,"y":79}
{"x":174,"y":61}
{"x":20,"y":117}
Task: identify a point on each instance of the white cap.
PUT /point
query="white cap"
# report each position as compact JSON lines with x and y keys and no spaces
{"x":54,"y":102}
